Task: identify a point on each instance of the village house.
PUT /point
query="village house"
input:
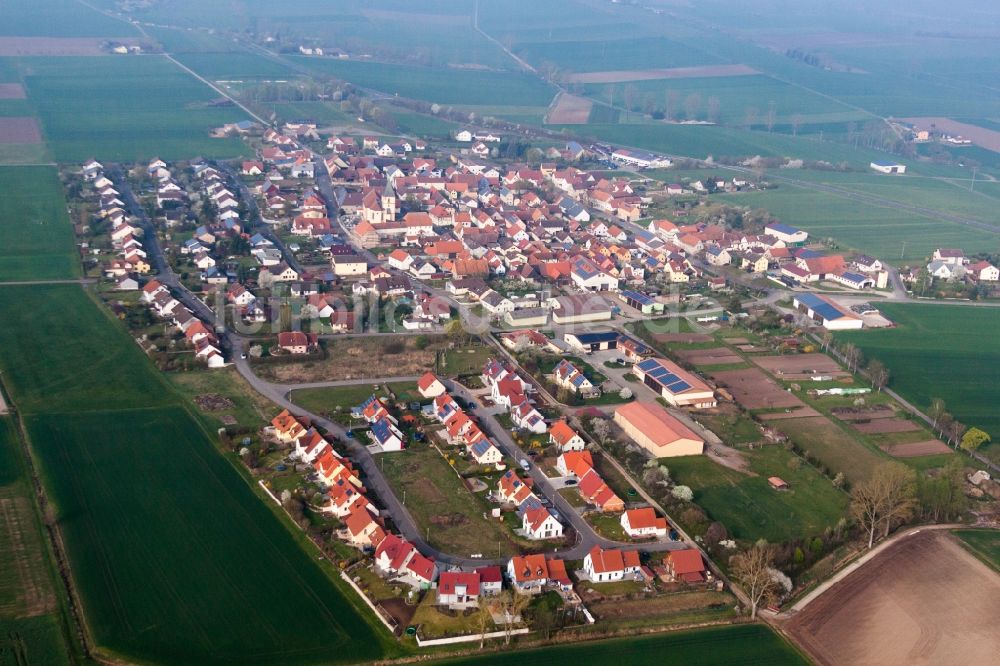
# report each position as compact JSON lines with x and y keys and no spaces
{"x":642,"y":523}
{"x":608,"y":566}
{"x":563,"y":436}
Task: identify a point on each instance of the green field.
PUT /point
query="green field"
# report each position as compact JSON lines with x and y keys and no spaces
{"x":136,"y":109}
{"x":37,"y":235}
{"x":734,"y":96}
{"x":984,"y":543}
{"x":941,"y":351}
{"x":175,"y":557}
{"x":601,"y":55}
{"x":234,"y":66}
{"x":749,"y":508}
{"x":58,"y":18}
{"x":183,"y":561}
{"x":894,"y":236}
{"x":440,"y":85}
{"x":31,"y":628}
{"x":718,"y":646}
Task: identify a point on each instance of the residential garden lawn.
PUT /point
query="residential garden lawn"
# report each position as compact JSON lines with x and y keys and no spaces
{"x":749,"y":508}
{"x":406,"y":392}
{"x":37,"y":237}
{"x":184,"y":562}
{"x":964,"y":346}
{"x":737,"y":644}
{"x":608,"y":525}
{"x":328,"y":400}
{"x":439,"y":85}
{"x":439,"y":502}
{"x":465,"y":360}
{"x":163,"y":112}
{"x":984,"y":543}
{"x":435,"y":621}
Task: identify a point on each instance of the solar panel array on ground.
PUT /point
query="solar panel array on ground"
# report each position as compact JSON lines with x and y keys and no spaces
{"x":665,"y":377}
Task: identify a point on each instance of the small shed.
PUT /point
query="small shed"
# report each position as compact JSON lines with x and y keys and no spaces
{"x":777,"y":483}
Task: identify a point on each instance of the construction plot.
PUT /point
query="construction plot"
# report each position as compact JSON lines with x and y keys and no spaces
{"x":755,"y":390}
{"x":714,"y":356}
{"x":929,"y":447}
{"x":885,"y":426}
{"x":801,"y":366}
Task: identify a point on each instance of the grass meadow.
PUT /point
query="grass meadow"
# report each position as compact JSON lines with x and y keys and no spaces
{"x":749,"y":508}
{"x":719,"y":646}
{"x":175,"y":557}
{"x":136,"y":109}
{"x":37,"y":236}
{"x":984,"y":543}
{"x":949,"y":352}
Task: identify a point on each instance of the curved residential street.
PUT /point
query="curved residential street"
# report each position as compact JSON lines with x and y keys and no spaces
{"x":376,"y":481}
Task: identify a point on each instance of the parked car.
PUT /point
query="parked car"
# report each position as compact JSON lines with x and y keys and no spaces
{"x":525,"y":465}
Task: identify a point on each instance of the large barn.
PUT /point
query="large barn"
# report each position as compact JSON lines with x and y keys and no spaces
{"x":826,"y":313}
{"x":655,"y":430}
{"x":675,"y":385}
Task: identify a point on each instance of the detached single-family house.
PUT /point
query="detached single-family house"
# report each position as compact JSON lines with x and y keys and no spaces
{"x":686,"y":565}
{"x":607,"y":566}
{"x":430,"y":386}
{"x":537,"y":524}
{"x":641,"y":523}
{"x":459,"y":589}
{"x":563,"y":436}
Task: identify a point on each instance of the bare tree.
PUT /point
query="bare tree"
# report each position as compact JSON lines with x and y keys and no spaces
{"x":511,"y":605}
{"x":692,"y":105}
{"x":752,"y":569}
{"x":935,"y":411}
{"x":955,"y":432}
{"x":796,"y":123}
{"x":714,"y":112}
{"x":852,"y":355}
{"x":672,"y":99}
{"x":601,"y":429}
{"x":750,"y":117}
{"x":878,"y":373}
{"x":889,"y":495}
{"x":484,"y":618}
